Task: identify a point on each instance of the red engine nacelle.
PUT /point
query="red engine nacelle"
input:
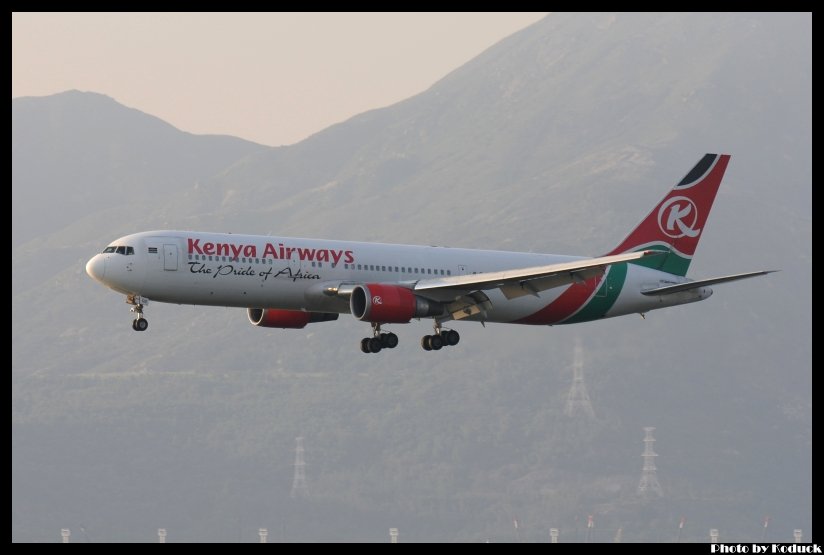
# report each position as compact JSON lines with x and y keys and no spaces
{"x":390,"y":304}
{"x":292,"y":319}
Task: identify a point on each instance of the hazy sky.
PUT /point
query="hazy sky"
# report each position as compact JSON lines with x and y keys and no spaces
{"x":270,"y":78}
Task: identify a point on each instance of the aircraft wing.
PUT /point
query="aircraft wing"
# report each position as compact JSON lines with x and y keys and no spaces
{"x":530,"y":281}
{"x":668,"y":289}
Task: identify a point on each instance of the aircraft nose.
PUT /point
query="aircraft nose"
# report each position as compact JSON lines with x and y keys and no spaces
{"x":96,"y":267}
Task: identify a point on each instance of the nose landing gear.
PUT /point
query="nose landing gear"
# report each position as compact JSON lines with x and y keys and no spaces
{"x":139,"y":323}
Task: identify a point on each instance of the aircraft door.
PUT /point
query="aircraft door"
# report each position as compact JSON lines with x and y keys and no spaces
{"x":170,"y":257}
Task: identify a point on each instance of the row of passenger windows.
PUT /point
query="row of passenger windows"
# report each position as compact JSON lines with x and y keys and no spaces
{"x":402,"y":269}
{"x":362,"y":267}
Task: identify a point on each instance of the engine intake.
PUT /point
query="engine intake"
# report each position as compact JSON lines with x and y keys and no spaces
{"x":390,"y":304}
{"x":286,"y":319}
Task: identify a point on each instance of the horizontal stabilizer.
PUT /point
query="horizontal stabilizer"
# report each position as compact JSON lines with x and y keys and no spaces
{"x":666,"y":290}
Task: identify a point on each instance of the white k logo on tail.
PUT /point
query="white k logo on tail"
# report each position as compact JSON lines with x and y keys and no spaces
{"x":680,"y":215}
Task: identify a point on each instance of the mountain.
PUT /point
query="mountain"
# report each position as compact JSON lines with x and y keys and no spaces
{"x":557,"y":139}
{"x":79,"y":150}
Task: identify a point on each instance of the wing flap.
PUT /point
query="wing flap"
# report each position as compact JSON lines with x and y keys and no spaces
{"x":535,"y":286}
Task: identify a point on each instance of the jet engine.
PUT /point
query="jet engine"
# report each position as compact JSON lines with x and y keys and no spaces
{"x":390,"y":304}
{"x":291,"y":319}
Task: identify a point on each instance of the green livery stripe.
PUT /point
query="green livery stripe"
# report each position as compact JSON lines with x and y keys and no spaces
{"x":606,"y":296}
{"x":671,"y":263}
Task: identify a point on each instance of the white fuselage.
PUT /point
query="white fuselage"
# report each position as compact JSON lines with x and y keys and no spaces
{"x":251,"y":271}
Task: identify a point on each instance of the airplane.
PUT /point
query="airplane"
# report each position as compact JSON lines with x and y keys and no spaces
{"x":286,"y":282}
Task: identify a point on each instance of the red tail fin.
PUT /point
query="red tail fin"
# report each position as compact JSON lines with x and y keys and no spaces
{"x":676,"y":223}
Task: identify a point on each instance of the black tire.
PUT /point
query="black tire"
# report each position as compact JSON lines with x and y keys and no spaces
{"x":375,"y":345}
{"x":435,"y":342}
{"x":141,"y":324}
{"x":425,"y":343}
{"x":134,"y":324}
{"x":452,"y":338}
{"x":389,"y":340}
{"x":364,"y":345}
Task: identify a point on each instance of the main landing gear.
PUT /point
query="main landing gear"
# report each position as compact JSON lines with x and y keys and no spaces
{"x":435,"y":342}
{"x":378,"y":341}
{"x":139,"y":323}
{"x":440,"y":339}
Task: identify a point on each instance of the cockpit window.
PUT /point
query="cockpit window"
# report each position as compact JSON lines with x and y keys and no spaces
{"x":119,"y":250}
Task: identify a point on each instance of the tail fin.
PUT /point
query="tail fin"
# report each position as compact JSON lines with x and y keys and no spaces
{"x":675,"y":224}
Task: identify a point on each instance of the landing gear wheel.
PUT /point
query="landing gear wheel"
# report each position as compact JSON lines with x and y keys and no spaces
{"x":375,"y":345}
{"x":140,"y":324}
{"x":432,"y":342}
{"x":389,"y":340}
{"x":134,"y":324}
{"x":378,"y":340}
{"x":451,"y":337}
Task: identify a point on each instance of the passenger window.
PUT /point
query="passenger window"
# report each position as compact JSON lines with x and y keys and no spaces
{"x":429,"y":271}
{"x":449,"y":272}
{"x":383,"y":268}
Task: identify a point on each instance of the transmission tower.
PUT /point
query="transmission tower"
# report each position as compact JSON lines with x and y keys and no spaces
{"x":299,"y":480}
{"x":649,"y":480}
{"x":578,"y":399}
